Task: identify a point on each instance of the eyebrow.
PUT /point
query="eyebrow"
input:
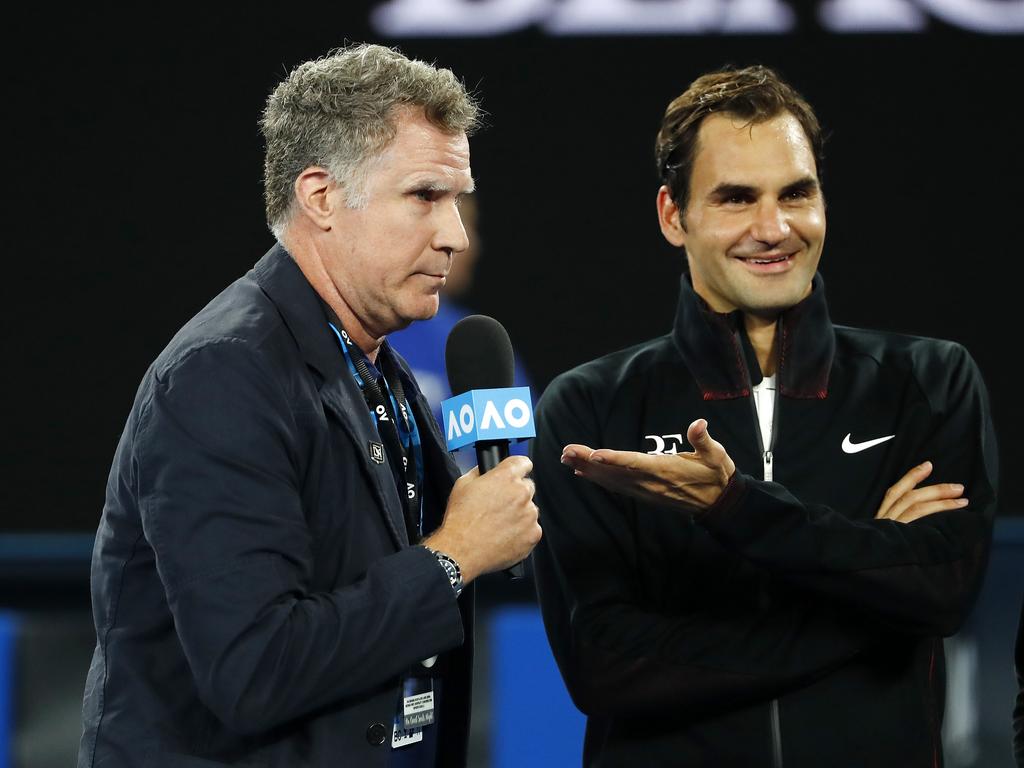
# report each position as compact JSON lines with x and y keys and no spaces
{"x":806,"y":184}
{"x":437,"y":186}
{"x":727,"y":190}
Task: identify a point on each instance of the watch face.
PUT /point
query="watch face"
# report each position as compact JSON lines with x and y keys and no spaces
{"x":452,"y":569}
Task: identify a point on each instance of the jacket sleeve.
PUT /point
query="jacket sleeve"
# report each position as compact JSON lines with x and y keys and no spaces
{"x":920,"y":577}
{"x":618,"y":657}
{"x":219,"y":482}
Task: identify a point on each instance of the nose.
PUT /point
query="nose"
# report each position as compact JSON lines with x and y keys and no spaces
{"x":450,"y":235}
{"x":770,"y":225}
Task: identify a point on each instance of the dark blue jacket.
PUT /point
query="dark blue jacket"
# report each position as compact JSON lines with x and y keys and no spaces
{"x":255,"y":596}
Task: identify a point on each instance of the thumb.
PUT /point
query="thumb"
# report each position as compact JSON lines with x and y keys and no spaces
{"x":698,"y":437}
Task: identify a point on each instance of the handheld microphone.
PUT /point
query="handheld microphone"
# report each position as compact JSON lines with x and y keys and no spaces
{"x":485,"y":410}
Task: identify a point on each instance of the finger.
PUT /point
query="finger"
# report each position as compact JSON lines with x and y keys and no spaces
{"x":518,"y":466}
{"x":922,"y":495}
{"x":576,"y":451}
{"x":625,"y":459}
{"x":469,"y":475}
{"x":917,"y":511}
{"x":613,"y":478}
{"x":582,"y":458}
{"x":912,"y":478}
{"x":576,"y":464}
{"x":538,"y":534}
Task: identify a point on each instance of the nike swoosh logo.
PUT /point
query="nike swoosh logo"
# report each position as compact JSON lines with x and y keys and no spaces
{"x":851,"y":447}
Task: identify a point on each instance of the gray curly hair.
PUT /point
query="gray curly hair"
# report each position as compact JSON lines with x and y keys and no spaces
{"x":338,"y":112}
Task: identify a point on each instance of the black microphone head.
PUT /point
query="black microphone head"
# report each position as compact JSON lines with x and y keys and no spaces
{"x":478,"y":355}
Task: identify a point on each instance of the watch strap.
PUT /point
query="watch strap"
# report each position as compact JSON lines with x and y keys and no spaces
{"x":451,"y":569}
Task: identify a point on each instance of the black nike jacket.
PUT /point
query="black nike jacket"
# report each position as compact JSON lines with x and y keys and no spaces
{"x":784,"y":627}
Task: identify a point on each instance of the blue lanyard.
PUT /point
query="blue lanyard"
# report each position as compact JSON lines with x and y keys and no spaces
{"x":404,"y":419}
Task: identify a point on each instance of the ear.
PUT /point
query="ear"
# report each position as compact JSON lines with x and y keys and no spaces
{"x":313,"y":189}
{"x":669,"y":217}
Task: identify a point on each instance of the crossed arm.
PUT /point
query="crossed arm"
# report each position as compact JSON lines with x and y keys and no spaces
{"x":697,"y":480}
{"x":919,"y":578}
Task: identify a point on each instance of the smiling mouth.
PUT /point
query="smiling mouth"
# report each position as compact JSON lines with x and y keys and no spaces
{"x":766,"y":259}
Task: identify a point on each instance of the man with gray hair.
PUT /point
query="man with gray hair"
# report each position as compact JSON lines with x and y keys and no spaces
{"x":281,"y":573}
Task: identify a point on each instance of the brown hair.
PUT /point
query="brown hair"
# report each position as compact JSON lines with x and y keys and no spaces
{"x":755,"y":94}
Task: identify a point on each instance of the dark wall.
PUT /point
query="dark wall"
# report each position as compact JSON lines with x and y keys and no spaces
{"x":136,"y":171}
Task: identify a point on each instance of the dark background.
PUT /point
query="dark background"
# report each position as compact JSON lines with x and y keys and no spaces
{"x":135,"y":175}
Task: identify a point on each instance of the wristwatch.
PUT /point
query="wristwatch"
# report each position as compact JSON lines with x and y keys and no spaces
{"x":450,"y":567}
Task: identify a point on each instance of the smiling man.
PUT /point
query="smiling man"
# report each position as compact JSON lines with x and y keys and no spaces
{"x":777,"y":598}
{"x":282,"y":573}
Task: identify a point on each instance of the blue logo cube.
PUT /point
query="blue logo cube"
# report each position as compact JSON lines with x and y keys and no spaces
{"x":488,"y":414}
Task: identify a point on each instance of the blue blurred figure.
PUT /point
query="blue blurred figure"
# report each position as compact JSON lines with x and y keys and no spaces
{"x":1018,"y":712}
{"x":422,"y":344}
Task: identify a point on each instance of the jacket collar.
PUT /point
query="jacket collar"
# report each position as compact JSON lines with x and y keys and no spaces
{"x":715,"y":348}
{"x":299,"y":304}
{"x":280,"y":278}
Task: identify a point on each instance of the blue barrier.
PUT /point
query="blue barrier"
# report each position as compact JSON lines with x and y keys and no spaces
{"x":8,"y":633}
{"x":534,"y":722}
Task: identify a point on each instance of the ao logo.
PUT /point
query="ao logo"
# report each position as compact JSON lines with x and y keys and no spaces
{"x":516,"y":412}
{"x":667,"y":444}
{"x":488,"y":414}
{"x":470,"y":18}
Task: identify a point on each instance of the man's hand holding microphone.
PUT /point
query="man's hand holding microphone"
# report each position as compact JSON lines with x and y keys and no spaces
{"x":491,"y":522}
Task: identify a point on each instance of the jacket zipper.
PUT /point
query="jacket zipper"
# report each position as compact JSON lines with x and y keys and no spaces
{"x":767,"y":456}
{"x":776,"y":736}
{"x":768,"y":469}
{"x":769,"y":473}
